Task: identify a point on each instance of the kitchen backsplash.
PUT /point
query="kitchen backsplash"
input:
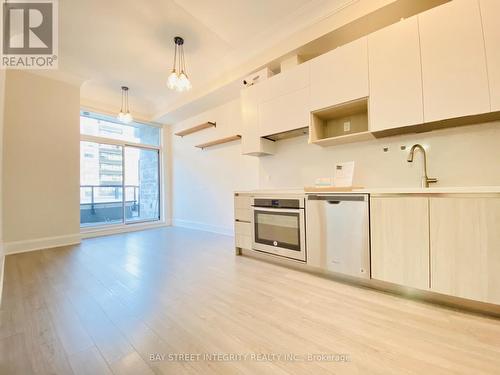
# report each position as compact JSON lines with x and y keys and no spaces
{"x":462,"y":156}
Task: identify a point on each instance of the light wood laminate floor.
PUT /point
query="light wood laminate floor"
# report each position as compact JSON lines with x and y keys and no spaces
{"x":107,"y":305}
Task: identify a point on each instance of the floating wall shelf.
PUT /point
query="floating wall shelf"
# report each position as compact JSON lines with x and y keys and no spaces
{"x":196,"y":128}
{"x":219,"y":141}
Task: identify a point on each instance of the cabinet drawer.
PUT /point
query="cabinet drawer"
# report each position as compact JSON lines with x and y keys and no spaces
{"x":243,"y":242}
{"x":243,"y":235}
{"x":243,"y":214}
{"x":243,"y":208}
{"x":243,"y":201}
{"x":243,"y":228}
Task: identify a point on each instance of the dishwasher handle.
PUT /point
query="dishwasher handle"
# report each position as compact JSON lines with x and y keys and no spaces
{"x":336,"y":199}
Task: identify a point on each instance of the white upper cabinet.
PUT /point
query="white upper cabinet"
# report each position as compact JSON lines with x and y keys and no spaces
{"x":455,"y":80}
{"x":284,"y":101}
{"x":286,"y":112}
{"x":340,"y":75}
{"x":285,"y":82}
{"x":251,"y":143}
{"x":395,"y":76}
{"x":490,"y":11}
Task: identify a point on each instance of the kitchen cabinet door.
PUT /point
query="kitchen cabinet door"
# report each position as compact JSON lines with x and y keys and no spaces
{"x":400,"y":240}
{"x":286,"y":82}
{"x":284,"y":113}
{"x":490,"y":10}
{"x":395,"y":76}
{"x":284,"y":101}
{"x":340,"y":75}
{"x":454,"y":76}
{"x":251,"y":143}
{"x":465,"y":247}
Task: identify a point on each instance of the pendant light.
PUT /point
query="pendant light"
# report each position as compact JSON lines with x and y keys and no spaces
{"x":124,"y":115}
{"x":178,"y":79}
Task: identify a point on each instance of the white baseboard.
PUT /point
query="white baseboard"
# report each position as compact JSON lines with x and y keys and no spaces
{"x":15,"y":247}
{"x":107,"y":231}
{"x":203,"y":226}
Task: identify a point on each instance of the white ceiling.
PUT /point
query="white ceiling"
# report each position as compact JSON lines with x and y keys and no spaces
{"x":129,"y":42}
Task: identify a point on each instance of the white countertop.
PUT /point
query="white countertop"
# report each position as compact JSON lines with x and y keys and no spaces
{"x":272,"y":191}
{"x":434,"y":190}
{"x":384,"y":190}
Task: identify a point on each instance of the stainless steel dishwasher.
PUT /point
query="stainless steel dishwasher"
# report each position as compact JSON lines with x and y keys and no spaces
{"x":338,"y":233}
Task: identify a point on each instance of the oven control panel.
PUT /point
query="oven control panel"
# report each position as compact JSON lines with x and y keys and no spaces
{"x":278,"y":203}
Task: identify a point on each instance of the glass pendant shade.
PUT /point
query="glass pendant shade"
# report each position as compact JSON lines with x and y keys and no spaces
{"x":127,"y":118}
{"x":178,"y":79}
{"x":124,"y":114}
{"x":183,"y":84}
{"x":172,"y":80}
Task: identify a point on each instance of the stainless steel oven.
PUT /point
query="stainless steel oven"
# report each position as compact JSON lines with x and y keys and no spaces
{"x":278,"y":227}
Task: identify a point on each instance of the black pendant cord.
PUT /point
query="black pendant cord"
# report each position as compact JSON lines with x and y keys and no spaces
{"x":183,"y":60}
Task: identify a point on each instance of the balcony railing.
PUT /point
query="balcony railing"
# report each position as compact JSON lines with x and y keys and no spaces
{"x":104,"y":203}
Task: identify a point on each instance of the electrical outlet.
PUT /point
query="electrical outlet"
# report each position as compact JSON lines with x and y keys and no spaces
{"x":347,"y":126}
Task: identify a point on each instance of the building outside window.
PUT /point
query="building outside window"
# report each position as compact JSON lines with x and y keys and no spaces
{"x":119,"y":171}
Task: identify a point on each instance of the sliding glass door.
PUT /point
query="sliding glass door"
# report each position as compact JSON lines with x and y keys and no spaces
{"x":101,"y":184}
{"x":119,"y":178}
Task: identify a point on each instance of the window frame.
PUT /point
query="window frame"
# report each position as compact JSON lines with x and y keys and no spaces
{"x":110,"y":141}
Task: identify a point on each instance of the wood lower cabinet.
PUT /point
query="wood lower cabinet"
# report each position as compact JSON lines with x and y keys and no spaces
{"x":465,"y":247}
{"x":400,"y":240}
{"x":242,"y":222}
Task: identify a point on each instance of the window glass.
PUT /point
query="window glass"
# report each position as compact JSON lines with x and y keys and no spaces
{"x":107,"y":127}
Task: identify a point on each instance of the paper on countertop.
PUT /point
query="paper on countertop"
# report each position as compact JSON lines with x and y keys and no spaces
{"x":323,"y":181}
{"x":344,"y":173}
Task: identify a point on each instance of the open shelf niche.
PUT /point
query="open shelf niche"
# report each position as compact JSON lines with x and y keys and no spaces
{"x":343,"y":123}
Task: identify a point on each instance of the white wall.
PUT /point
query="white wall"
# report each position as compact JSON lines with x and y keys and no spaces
{"x":41,"y":162}
{"x":203,"y":181}
{"x":2,"y":99}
